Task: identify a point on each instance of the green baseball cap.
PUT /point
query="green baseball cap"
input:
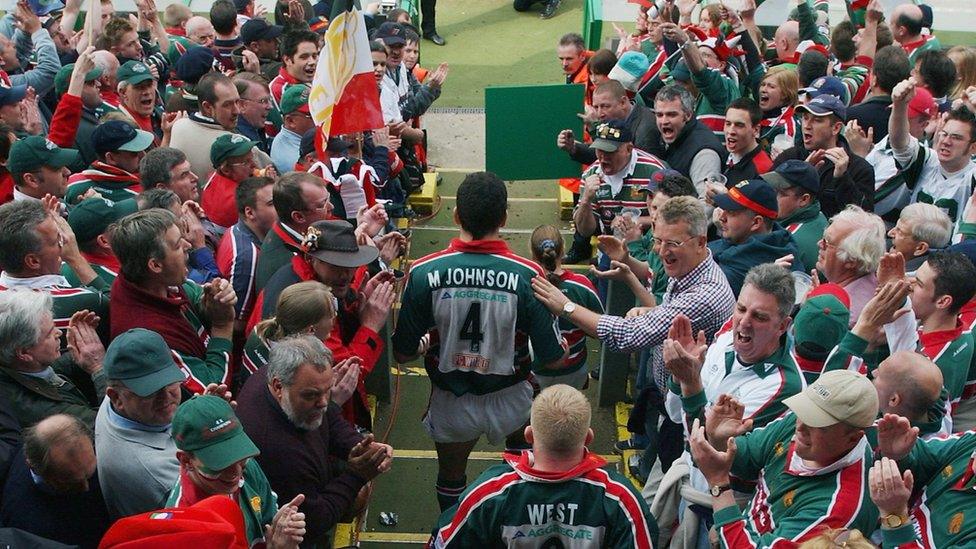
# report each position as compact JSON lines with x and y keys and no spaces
{"x":821,"y":321}
{"x":29,"y":154}
{"x":134,"y":72}
{"x":229,"y":145}
{"x":142,"y":361}
{"x":91,"y":217}
{"x":63,"y":78}
{"x":207,"y":426}
{"x":295,"y":98}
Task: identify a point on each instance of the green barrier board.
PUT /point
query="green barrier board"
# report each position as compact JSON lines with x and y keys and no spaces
{"x":521,"y":125}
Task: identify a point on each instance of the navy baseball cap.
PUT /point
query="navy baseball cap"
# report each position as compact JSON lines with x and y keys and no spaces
{"x":752,"y":194}
{"x":830,"y":85}
{"x":119,"y":135}
{"x":44,"y":7}
{"x":12,"y":95}
{"x":391,"y":34}
{"x":259,"y":29}
{"x":196,"y":62}
{"x":794,"y":173}
{"x":610,"y":135}
{"x":825,"y":105}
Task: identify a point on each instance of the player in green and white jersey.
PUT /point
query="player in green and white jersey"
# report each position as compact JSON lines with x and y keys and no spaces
{"x":476,"y":302}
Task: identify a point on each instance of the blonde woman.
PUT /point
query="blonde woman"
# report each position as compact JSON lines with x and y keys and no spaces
{"x":303,"y":308}
{"x":546,"y":246}
{"x":964,"y":57}
{"x":778,"y":96}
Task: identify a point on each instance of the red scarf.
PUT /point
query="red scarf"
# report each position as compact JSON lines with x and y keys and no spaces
{"x":137,"y":308}
{"x":107,"y":260}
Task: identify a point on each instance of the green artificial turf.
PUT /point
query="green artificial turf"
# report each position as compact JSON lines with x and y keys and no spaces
{"x":489,"y":43}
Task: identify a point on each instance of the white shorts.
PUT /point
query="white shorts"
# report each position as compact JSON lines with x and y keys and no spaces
{"x":496,"y":415}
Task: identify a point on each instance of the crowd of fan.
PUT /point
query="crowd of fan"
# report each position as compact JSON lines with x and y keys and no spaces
{"x":192,"y":295}
{"x":162,"y":199}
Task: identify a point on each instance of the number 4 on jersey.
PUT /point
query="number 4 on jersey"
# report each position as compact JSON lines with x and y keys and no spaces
{"x":471,"y":328}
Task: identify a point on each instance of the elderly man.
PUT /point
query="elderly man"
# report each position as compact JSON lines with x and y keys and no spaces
{"x":200,"y":31}
{"x":300,"y":199}
{"x":31,"y":365}
{"x":215,"y":458}
{"x":906,"y":28}
{"x":297,"y":121}
{"x":218,"y":113}
{"x":797,"y":186}
{"x":786,"y":39}
{"x":286,"y":410}
{"x":570,"y":496}
{"x":35,"y":242}
{"x":845,"y":178}
{"x":750,"y":234}
{"x":850,"y":250}
{"x":51,"y":490}
{"x":168,"y":168}
{"x":921,"y":229}
{"x":809,"y":460}
{"x":39,"y":167}
{"x":482,"y":326}
{"x":683,"y":142}
{"x":332,"y":256}
{"x":137,"y":462}
{"x":152,"y":292}
{"x":137,"y":93}
{"x":119,"y":148}
{"x":232,"y":159}
{"x":108,"y":82}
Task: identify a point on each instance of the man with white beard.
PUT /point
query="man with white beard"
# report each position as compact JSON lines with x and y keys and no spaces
{"x":285,"y":409}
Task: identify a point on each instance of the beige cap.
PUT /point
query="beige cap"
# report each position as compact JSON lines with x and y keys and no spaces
{"x":839,"y":396}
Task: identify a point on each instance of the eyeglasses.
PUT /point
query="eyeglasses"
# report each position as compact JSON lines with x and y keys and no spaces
{"x":824,"y":243}
{"x":264,"y":101}
{"x":670,"y":244}
{"x":953,"y":136}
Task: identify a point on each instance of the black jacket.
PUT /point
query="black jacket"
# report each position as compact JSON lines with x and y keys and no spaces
{"x":873,"y":112}
{"x":856,"y":186}
{"x":694,"y":137}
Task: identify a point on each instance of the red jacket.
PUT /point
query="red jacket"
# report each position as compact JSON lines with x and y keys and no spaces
{"x":65,"y":121}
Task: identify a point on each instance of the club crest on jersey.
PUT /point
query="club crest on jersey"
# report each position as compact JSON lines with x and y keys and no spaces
{"x":955,"y":523}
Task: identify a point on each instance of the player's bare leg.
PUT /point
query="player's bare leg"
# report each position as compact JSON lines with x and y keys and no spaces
{"x":452,"y":463}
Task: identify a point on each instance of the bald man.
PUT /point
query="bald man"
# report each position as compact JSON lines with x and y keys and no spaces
{"x":786,"y":39}
{"x":52,"y":490}
{"x":906,"y":28}
{"x":108,"y":82}
{"x":201,"y":31}
{"x":910,"y":385}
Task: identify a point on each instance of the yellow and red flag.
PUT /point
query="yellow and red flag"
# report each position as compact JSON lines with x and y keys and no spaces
{"x":344,"y":97}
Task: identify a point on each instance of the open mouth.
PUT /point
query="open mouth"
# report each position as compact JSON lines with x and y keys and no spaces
{"x":731,"y":142}
{"x":763,"y":100}
{"x":742,"y":338}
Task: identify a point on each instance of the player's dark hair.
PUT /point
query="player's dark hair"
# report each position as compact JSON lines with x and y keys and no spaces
{"x":223,"y":16}
{"x":955,"y":276}
{"x":812,"y":66}
{"x":482,"y":200}
{"x":602,"y":62}
{"x":966,"y":116}
{"x":842,"y":41}
{"x":292,"y":39}
{"x":246,"y":193}
{"x":750,"y":106}
{"x":891,"y":66}
{"x":937,"y":71}
{"x":675,"y":184}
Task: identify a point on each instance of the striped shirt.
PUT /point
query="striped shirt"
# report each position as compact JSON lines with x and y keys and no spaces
{"x":622,"y":189}
{"x":579,"y":290}
{"x":237,"y":259}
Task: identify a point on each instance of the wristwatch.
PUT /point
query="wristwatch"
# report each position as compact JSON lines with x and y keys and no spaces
{"x":894,"y":521}
{"x":717,"y":490}
{"x":568,"y":308}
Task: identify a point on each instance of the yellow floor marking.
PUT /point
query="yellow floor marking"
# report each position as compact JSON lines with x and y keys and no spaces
{"x":393,"y":537}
